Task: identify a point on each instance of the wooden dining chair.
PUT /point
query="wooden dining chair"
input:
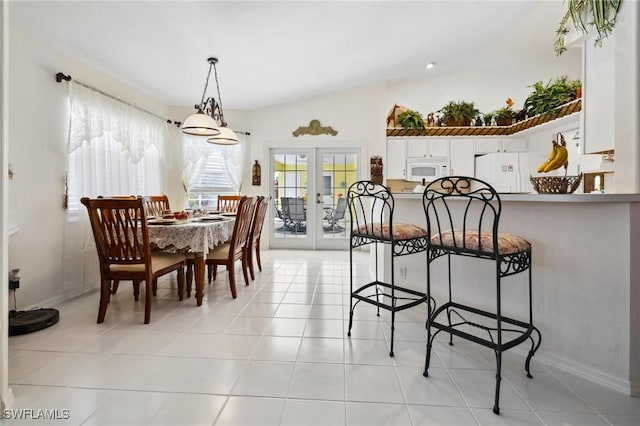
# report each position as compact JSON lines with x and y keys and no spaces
{"x":253,"y":242}
{"x":116,"y":283}
{"x":122,"y":241}
{"x":229,"y":203}
{"x":156,"y":205}
{"x":226,"y":254}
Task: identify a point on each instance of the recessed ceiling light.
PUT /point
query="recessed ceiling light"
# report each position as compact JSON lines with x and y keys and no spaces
{"x":430,"y":65}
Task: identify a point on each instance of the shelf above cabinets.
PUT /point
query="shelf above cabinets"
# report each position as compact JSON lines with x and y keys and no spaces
{"x":570,"y":108}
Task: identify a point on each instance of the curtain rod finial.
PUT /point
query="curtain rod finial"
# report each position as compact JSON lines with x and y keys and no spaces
{"x":60,"y":76}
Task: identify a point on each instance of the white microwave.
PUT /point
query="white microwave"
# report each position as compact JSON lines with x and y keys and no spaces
{"x":419,"y":169}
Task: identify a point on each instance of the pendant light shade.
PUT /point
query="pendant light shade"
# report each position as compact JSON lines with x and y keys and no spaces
{"x":226,"y":137}
{"x":209,"y":118}
{"x":200,"y":124}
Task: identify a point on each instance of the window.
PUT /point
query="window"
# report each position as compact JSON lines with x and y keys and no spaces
{"x":104,"y":168}
{"x":211,"y":170}
{"x":114,"y":149}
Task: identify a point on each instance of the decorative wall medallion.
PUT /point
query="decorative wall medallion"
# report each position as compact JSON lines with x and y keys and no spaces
{"x":314,"y":129}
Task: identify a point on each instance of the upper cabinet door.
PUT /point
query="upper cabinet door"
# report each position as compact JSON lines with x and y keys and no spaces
{"x":439,"y":147}
{"x":417,"y":148}
{"x":396,"y":159}
{"x":428,"y":148}
{"x":462,"y":157}
{"x":488,"y":145}
{"x":514,"y":145}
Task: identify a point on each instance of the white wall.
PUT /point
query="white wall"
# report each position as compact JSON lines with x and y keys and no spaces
{"x":488,"y":85}
{"x":626,"y":98}
{"x":357,"y":115}
{"x":6,"y":396}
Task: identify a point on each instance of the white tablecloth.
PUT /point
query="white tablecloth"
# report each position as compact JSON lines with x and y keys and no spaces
{"x":192,"y":235}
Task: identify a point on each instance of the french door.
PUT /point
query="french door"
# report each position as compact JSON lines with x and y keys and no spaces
{"x":309,"y":196}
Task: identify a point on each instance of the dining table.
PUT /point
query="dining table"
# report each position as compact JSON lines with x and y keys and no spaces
{"x":195,"y":235}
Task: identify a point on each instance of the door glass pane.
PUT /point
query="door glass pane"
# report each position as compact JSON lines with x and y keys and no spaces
{"x":339,"y":172}
{"x":290,"y":195}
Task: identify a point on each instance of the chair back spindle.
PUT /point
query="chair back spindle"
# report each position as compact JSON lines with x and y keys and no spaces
{"x":156,"y":205}
{"x":229,"y":203}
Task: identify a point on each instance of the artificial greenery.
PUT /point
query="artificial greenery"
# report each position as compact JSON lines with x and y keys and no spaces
{"x":587,"y":14}
{"x":487,"y":117}
{"x":410,"y":119}
{"x":459,"y":113}
{"x":505,"y":112}
{"x":546,"y":98}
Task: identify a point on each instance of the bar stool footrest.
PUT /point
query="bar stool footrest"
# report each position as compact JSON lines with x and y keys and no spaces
{"x":523,"y":330}
{"x":406,"y":297}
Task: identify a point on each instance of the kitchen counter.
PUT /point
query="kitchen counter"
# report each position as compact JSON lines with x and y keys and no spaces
{"x":547,"y":198}
{"x":586,"y":278}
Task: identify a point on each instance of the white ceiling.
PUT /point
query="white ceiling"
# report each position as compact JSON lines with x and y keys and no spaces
{"x":273,"y":52}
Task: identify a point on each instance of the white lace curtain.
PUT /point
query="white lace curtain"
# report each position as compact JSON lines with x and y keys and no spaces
{"x":114,"y":148}
{"x":93,"y":115}
{"x":197,"y":153}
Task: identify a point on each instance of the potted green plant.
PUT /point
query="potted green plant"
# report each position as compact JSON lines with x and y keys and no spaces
{"x":487,"y":117}
{"x":584,"y":15}
{"x":458,"y":113}
{"x":546,"y":98}
{"x":506,"y":114}
{"x":411,"y":120}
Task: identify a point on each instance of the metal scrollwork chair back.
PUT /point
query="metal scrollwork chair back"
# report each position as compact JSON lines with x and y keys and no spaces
{"x":463,"y":215}
{"x":371,"y":209}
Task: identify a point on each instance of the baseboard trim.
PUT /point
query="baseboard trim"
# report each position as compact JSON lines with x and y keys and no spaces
{"x":586,"y":372}
{"x":51,"y":303}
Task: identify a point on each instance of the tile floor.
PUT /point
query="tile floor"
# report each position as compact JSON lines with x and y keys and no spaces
{"x":279,"y":355}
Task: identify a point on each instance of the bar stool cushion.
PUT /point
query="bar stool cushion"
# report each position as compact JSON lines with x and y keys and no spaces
{"x":507,"y":243}
{"x":401,"y":231}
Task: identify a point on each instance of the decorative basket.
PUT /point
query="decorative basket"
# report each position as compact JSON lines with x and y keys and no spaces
{"x":555,"y":184}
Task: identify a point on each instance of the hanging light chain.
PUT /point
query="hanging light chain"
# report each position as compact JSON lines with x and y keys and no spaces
{"x":215,"y":74}
{"x":204,"y":92}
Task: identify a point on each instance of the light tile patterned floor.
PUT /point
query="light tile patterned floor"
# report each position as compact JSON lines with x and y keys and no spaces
{"x":279,"y":355}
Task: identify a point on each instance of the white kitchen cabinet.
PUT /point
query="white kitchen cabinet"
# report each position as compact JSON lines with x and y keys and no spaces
{"x":462,"y":160}
{"x":515,"y":145}
{"x":428,"y":147}
{"x":489,"y":145}
{"x":396,"y":158}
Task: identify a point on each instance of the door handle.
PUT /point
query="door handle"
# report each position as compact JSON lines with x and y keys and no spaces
{"x":318,"y":200}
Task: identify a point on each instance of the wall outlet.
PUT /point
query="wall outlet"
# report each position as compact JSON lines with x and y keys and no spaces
{"x":14,"y":279}
{"x":403,"y":272}
{"x":14,"y":283}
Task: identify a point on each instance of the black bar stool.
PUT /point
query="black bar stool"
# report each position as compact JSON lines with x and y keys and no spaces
{"x":462,"y":219}
{"x":371,"y":209}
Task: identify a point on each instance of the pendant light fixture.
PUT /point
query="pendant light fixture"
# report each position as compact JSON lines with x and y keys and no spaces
{"x":209,"y":118}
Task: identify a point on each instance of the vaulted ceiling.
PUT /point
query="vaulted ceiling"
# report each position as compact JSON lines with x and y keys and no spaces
{"x":273,"y":52}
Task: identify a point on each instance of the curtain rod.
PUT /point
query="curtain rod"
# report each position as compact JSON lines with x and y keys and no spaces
{"x":60,"y":77}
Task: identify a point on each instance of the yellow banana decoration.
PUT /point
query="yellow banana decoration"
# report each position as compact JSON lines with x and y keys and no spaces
{"x":558,"y":157}
{"x":552,"y":155}
{"x":559,"y":160}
